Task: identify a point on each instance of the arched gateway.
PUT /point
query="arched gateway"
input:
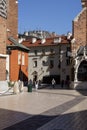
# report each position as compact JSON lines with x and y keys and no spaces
{"x":80,"y":69}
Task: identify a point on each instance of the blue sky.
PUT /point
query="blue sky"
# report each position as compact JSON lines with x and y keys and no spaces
{"x":50,"y":15}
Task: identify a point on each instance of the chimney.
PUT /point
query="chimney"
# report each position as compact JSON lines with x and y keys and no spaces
{"x":84,"y":3}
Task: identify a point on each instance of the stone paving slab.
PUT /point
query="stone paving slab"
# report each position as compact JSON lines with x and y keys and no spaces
{"x":44,"y":110}
{"x":35,"y":122}
{"x":72,"y":121}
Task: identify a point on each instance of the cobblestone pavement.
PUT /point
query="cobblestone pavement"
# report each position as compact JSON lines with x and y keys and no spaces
{"x":45,"y":109}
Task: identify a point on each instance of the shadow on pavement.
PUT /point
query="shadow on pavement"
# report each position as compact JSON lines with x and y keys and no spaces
{"x":49,"y":86}
{"x":11,"y":120}
{"x":83,"y":92}
{"x":70,"y":121}
{"x":15,"y":120}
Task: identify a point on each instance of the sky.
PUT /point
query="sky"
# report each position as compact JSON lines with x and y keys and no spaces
{"x":49,"y":15}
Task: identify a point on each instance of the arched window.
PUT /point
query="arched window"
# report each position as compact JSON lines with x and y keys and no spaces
{"x":82,"y":71}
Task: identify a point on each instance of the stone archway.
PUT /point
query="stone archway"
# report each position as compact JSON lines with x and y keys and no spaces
{"x":82,"y":71}
{"x":80,"y":74}
{"x":35,"y":76}
{"x":72,"y":73}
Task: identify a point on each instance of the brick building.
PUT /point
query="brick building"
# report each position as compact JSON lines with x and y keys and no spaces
{"x":79,"y":27}
{"x":8,"y":18}
{"x":17,"y":54}
{"x":79,"y":48}
{"x":12,"y":18}
{"x":17,"y":61}
{"x":3,"y":16}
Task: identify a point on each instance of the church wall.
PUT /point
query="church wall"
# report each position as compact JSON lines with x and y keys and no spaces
{"x":12,"y":19}
{"x":80,"y":29}
{"x":2,"y":48}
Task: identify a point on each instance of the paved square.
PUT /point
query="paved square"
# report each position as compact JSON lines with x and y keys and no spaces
{"x":46,"y":109}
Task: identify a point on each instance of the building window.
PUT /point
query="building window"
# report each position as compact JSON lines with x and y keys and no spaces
{"x":43,"y":52}
{"x":23,"y":59}
{"x":43,"y":63}
{"x":35,"y":64}
{"x":51,"y":64}
{"x":68,"y":50}
{"x":67,"y":77}
{"x":52,"y":51}
{"x":68,"y":61}
{"x":19,"y":58}
{"x":59,"y":65}
{"x":35,"y":52}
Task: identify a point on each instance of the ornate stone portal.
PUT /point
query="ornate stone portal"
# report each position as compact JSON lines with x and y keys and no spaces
{"x":80,"y":69}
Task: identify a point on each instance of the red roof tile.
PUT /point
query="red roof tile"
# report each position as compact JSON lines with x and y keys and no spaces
{"x":48,"y":42}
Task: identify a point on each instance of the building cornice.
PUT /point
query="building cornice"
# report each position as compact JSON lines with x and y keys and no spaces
{"x":3,"y":55}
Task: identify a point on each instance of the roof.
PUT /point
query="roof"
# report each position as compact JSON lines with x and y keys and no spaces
{"x":47,"y":42}
{"x":15,"y":44}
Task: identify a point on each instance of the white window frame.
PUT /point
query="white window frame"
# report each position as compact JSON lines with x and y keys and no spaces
{"x":19,"y":58}
{"x":23,"y":59}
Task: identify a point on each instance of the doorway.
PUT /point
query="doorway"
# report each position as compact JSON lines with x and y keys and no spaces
{"x":82,"y":71}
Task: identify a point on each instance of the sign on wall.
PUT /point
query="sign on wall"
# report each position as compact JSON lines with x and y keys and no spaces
{"x":3,"y":8}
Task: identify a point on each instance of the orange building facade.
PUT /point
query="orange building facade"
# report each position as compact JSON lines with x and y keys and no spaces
{"x":17,"y":67}
{"x":18,"y":61}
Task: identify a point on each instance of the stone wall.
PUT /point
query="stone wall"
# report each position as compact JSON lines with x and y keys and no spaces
{"x":12,"y":19}
{"x":2,"y":48}
{"x":80,"y":29}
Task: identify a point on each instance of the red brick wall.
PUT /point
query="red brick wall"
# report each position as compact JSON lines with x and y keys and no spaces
{"x":80,"y":29}
{"x":13,"y":66}
{"x":2,"y":48}
{"x":2,"y":69}
{"x":2,"y":35}
{"x":12,"y":18}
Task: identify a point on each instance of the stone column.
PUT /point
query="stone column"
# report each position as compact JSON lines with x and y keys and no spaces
{"x":76,"y":71}
{"x":75,"y":79}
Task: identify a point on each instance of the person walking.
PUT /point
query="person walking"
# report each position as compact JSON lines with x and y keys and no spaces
{"x":53,"y":83}
{"x":36,"y":85}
